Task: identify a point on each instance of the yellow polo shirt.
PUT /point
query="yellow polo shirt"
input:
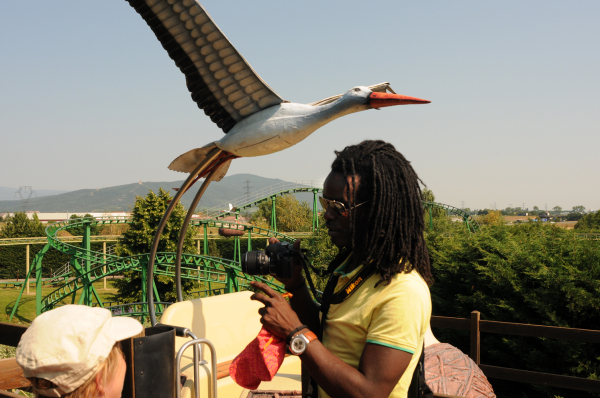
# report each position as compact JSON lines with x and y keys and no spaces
{"x":395,"y":316}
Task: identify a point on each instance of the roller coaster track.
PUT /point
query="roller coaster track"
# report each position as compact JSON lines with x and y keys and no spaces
{"x":197,"y":267}
{"x":469,"y":221}
{"x":91,"y":266}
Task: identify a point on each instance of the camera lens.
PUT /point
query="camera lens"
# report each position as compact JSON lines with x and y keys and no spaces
{"x":255,"y":263}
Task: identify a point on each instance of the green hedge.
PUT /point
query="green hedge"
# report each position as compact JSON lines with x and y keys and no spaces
{"x":531,"y":273}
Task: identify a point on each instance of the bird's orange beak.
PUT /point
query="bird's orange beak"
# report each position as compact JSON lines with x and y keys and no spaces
{"x":379,"y":100}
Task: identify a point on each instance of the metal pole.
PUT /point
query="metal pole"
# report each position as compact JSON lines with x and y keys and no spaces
{"x":184,"y":227}
{"x":104,"y":268}
{"x":273,"y":214}
{"x":161,"y":226}
{"x":88,"y":264}
{"x":205,"y":240}
{"x":27,"y":268}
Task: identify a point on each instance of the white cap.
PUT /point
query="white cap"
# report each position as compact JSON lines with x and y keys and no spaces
{"x":68,"y":344}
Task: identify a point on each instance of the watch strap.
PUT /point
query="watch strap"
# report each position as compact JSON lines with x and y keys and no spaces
{"x":288,"y":339}
{"x":310,"y":336}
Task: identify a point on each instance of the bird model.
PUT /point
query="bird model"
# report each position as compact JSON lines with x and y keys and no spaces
{"x":256,"y":120}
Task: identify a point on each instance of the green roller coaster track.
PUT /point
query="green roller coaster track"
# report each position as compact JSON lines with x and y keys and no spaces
{"x":90,"y":266}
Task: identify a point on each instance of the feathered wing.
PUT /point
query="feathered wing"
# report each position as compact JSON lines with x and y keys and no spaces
{"x":220,"y":80}
{"x":381,"y":87}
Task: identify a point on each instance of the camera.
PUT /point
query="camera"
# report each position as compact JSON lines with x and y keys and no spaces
{"x":276,"y":260}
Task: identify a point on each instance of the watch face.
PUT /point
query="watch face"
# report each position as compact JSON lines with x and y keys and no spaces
{"x":298,"y":345}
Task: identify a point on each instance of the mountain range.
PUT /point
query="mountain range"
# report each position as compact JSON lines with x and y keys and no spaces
{"x":122,"y":197}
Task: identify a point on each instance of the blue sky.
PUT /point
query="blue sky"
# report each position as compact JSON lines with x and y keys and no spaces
{"x":89,"y":99}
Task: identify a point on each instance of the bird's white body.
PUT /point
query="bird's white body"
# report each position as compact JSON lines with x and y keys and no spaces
{"x":284,"y":125}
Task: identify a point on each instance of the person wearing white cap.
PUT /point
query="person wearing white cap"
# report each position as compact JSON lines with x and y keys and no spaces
{"x":73,"y":352}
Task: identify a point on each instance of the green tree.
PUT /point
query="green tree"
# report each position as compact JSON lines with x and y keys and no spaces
{"x":579,"y":209}
{"x":440,"y":220}
{"x":320,"y":252}
{"x":79,"y":230}
{"x":20,"y":226}
{"x":493,"y":217}
{"x":292,"y":215}
{"x":146,"y":215}
{"x":557,"y":210}
{"x":589,"y":222}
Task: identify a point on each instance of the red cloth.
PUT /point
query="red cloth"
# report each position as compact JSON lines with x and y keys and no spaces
{"x":259,"y":361}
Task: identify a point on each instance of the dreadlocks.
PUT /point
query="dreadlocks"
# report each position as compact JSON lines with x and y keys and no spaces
{"x":391,"y":234}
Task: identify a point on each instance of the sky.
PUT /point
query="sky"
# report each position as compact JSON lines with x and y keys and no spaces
{"x":90,"y":99}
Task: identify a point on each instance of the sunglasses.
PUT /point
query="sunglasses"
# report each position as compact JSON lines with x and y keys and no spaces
{"x":338,"y":207}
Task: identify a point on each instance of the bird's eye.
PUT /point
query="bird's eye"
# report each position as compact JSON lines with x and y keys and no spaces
{"x":357,"y":89}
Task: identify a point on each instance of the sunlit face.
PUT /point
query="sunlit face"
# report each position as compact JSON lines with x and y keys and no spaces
{"x":114,"y":388}
{"x":338,"y":227}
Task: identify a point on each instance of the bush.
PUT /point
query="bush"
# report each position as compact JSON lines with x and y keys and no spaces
{"x":531,"y":273}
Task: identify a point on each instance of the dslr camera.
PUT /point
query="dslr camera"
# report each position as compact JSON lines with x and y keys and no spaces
{"x":276,"y":260}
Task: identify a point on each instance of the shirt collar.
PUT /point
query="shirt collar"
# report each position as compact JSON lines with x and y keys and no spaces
{"x":341,"y":270}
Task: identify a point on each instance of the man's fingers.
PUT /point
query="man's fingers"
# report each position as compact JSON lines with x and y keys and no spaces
{"x":297,"y":244}
{"x":260,"y":297}
{"x":262,"y":286}
{"x":273,"y":240}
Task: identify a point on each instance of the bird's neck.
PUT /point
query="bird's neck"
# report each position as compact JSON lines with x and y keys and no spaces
{"x":338,"y":109}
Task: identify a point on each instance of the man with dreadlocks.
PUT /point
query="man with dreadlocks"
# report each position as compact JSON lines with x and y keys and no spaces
{"x":376,"y":306}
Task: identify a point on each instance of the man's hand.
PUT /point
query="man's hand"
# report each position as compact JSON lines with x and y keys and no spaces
{"x":297,"y":279}
{"x":277,"y":315}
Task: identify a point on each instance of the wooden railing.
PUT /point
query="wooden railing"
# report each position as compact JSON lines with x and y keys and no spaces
{"x":476,"y":326}
{"x":10,"y":334}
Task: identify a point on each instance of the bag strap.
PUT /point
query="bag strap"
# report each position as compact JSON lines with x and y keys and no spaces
{"x":418,"y":387}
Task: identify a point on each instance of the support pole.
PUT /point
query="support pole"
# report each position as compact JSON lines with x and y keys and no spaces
{"x":27,"y":269}
{"x":273,"y":213}
{"x":87,"y":265}
{"x":104,"y":258}
{"x":37,"y":264}
{"x":205,"y":241}
{"x":144,"y":294}
{"x":12,"y":313}
{"x":315,"y":218}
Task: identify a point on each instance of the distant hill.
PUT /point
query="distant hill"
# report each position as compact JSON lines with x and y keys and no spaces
{"x":122,"y":197}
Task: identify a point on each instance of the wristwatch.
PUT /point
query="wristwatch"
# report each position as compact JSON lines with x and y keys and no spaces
{"x":298,"y":343}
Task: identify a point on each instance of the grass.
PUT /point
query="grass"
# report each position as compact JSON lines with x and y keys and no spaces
{"x":26,"y":310}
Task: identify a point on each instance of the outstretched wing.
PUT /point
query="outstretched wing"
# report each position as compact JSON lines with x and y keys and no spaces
{"x":219,"y":78}
{"x":381,"y":87}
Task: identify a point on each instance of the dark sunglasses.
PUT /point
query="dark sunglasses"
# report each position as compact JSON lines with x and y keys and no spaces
{"x":338,"y":207}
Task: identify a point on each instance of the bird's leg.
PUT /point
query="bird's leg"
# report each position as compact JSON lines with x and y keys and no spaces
{"x":152,"y":257}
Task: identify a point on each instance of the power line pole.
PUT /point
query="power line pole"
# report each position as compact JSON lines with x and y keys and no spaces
{"x":247,"y":188}
{"x":25,"y":193}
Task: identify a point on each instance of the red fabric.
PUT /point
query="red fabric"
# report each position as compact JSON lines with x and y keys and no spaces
{"x":259,"y":361}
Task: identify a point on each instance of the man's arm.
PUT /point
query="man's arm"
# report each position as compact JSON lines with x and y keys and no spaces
{"x":379,"y":369}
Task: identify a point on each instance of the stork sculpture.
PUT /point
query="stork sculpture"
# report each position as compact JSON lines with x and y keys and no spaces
{"x":255,"y":119}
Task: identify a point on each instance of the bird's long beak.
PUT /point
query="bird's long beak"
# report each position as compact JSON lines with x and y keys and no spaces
{"x":379,"y":100}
